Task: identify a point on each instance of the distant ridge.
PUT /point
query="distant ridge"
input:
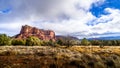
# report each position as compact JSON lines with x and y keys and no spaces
{"x":63,"y":37}
{"x":106,"y":38}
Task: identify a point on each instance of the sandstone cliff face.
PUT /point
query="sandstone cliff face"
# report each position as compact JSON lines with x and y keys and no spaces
{"x":27,"y":31}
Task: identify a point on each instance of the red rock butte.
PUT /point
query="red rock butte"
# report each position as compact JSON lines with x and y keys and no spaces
{"x":27,"y":31}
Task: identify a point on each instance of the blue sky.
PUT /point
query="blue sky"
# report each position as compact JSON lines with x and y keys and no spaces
{"x":98,"y":10}
{"x":80,"y":18}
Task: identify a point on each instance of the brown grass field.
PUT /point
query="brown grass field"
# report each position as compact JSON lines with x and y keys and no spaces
{"x":59,"y":57}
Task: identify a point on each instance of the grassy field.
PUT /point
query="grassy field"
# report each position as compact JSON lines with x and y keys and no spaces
{"x":59,"y":57}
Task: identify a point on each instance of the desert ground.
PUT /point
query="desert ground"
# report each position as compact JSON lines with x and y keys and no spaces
{"x":59,"y":57}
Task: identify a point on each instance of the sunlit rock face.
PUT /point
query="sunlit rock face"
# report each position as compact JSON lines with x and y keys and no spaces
{"x":27,"y":31}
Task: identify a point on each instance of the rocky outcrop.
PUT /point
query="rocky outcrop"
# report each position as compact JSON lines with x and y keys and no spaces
{"x":27,"y":31}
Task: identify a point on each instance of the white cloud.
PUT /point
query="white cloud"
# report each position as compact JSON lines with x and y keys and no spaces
{"x":27,"y":12}
{"x":51,"y":9}
{"x":13,"y":28}
{"x":86,"y":4}
{"x":62,"y":16}
{"x":108,"y":23}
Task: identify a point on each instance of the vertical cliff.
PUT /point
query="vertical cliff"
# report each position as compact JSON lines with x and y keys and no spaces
{"x":27,"y":31}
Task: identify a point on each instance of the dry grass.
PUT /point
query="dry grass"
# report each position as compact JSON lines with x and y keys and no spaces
{"x":59,"y":57}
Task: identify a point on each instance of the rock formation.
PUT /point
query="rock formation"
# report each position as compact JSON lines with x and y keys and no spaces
{"x":27,"y":31}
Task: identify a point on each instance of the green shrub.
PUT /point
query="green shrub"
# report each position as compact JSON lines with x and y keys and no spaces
{"x":84,"y":41}
{"x":18,"y":42}
{"x":60,"y":42}
{"x":4,"y":39}
{"x":48,"y":43}
{"x":67,"y":42}
{"x":31,"y":41}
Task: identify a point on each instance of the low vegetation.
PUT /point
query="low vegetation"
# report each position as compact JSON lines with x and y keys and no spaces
{"x":63,"y":53}
{"x":59,"y":57}
{"x":18,"y":42}
{"x":4,"y":39}
{"x":34,"y":41}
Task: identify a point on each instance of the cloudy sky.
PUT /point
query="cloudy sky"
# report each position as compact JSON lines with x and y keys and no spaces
{"x":80,"y":18}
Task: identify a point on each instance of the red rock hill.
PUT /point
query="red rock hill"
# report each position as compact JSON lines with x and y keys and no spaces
{"x":27,"y":31}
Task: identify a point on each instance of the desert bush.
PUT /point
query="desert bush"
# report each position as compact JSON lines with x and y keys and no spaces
{"x":59,"y":41}
{"x":67,"y":41}
{"x":96,"y":42}
{"x":84,"y":41}
{"x":31,"y":41}
{"x":48,"y":43}
{"x":18,"y":42}
{"x":4,"y":39}
{"x":110,"y":63}
{"x":8,"y":53}
{"x":53,"y":66}
{"x":77,"y":64}
{"x":44,"y":43}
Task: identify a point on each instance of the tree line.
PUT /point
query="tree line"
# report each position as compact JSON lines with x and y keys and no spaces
{"x":30,"y":41}
{"x":35,"y":41}
{"x":100,"y":42}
